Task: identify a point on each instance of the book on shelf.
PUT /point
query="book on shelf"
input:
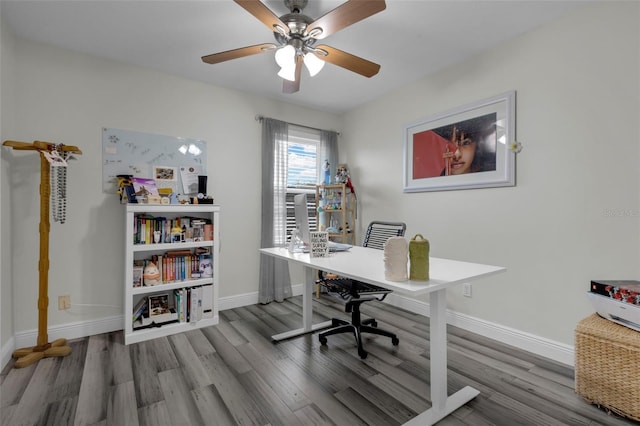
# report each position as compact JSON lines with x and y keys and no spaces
{"x":148,"y":229}
{"x":207,"y":301}
{"x":205,"y":265}
{"x":175,"y":266}
{"x":179,"y":295}
{"x":139,"y":309}
{"x":195,"y":309}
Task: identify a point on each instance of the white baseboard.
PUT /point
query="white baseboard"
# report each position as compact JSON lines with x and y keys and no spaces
{"x":71,"y":331}
{"x":249,"y":299}
{"x":238,"y":301}
{"x":6,"y":351}
{"x":540,"y":346}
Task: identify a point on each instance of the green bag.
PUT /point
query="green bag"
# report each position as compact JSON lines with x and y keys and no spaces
{"x":419,"y":258}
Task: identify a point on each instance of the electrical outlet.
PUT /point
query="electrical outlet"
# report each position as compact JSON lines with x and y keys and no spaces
{"x":64,"y":302}
{"x":466,"y":290}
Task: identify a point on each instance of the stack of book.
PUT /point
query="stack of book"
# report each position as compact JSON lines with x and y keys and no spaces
{"x":183,"y":305}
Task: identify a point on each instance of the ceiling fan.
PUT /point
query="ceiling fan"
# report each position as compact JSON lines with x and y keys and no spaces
{"x":296,"y":35}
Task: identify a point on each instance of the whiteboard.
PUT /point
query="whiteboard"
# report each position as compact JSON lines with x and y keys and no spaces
{"x":126,"y":152}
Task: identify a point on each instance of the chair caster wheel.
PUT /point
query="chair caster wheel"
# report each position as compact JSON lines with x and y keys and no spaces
{"x":395,"y":341}
{"x":323,"y":340}
{"x":374,"y":324}
{"x":363,"y":354}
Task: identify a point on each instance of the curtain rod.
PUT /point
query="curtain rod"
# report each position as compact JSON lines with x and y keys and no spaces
{"x":260,"y":117}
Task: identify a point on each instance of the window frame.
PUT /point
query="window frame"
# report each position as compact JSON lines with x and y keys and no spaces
{"x":304,"y":136}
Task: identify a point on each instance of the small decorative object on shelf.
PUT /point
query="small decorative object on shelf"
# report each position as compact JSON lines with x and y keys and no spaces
{"x":151,"y":275}
{"x":198,"y":230}
{"x":327,"y":172}
{"x":125,"y":189}
{"x":177,"y":236}
{"x":342,"y":176}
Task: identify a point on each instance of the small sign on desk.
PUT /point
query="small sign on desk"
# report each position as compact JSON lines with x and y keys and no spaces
{"x":319,"y":242}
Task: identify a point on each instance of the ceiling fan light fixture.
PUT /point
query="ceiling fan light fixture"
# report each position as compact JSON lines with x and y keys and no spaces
{"x":286,"y":56}
{"x":288,"y":73}
{"x":313,"y":63}
{"x":295,"y":37}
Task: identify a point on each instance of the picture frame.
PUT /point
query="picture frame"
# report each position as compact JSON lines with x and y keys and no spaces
{"x":143,"y":188}
{"x":137,"y":276}
{"x":159,"y":305}
{"x":166,"y":177}
{"x":319,"y":244}
{"x":468,"y":147}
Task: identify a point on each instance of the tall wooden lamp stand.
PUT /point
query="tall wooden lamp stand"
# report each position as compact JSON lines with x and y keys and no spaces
{"x":44,"y":348}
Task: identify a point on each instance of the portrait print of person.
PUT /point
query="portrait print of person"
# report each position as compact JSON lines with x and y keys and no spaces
{"x":467,"y":146}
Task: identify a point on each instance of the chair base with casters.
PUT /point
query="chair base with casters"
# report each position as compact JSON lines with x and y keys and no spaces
{"x":354,"y":293}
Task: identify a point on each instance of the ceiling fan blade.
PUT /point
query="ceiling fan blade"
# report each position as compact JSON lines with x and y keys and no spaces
{"x":263,"y":13}
{"x":215,"y":58}
{"x":348,"y":61}
{"x":344,"y":15}
{"x":289,"y":86}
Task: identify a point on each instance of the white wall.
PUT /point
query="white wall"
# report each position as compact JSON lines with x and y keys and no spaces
{"x":577,"y":117}
{"x":67,"y":97}
{"x":6,"y":114}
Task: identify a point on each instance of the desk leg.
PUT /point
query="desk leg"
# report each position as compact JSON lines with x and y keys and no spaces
{"x":441,"y":403}
{"x":307,"y":307}
{"x":307,"y":311}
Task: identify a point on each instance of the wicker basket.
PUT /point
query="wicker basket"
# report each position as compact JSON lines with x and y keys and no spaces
{"x":607,"y":365}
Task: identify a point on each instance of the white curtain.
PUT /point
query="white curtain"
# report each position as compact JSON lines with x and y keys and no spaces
{"x":328,"y":150}
{"x":275,"y":282}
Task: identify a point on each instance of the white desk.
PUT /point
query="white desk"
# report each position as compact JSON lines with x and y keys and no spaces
{"x":366,"y":264}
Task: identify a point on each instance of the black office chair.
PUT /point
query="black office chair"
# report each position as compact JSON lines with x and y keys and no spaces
{"x":353,"y":292}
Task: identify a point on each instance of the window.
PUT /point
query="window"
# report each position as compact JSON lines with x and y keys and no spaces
{"x":302,"y":172}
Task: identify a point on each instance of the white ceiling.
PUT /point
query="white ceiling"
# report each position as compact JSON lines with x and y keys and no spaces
{"x":410,"y":39}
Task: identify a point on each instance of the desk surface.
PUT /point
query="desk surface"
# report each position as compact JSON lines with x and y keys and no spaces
{"x":367,"y":264}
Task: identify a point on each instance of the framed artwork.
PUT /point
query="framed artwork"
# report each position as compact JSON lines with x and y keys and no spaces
{"x":166,"y":178}
{"x":144,"y":187}
{"x":158,"y":305}
{"x":468,"y":147}
{"x":137,"y":276}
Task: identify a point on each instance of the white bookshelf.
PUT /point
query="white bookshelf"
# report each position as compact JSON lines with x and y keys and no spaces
{"x":135,"y":251}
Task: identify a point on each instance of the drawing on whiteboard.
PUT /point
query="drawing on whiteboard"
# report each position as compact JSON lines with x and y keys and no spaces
{"x":126,"y":152}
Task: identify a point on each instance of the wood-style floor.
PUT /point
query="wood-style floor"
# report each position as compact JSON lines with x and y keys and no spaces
{"x":233,"y":374}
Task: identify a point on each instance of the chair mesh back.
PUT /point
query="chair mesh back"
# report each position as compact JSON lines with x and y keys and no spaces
{"x":379,"y":232}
